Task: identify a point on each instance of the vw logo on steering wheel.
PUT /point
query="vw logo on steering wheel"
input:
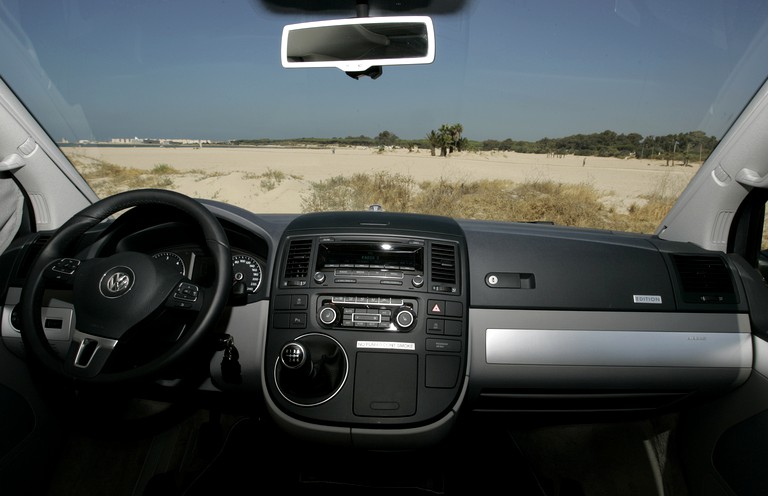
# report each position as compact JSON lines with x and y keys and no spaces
{"x":116,"y":282}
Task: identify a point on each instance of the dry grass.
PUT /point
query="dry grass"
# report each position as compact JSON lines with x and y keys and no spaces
{"x":534,"y":201}
{"x":270,"y":179}
{"x":107,"y":178}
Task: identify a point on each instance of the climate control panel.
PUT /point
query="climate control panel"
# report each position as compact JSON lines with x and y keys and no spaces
{"x":382,"y":313}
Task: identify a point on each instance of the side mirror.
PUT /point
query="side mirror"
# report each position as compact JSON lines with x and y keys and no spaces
{"x":356,"y":45}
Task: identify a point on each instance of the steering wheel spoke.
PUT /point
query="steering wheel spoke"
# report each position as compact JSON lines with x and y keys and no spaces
{"x":88,"y":354}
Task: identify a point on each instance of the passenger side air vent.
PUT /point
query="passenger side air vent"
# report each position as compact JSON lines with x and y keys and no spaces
{"x":297,"y":263}
{"x":704,"y":279}
{"x":444,"y":273}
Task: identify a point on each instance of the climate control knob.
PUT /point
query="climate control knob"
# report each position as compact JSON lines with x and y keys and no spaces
{"x":328,"y":314}
{"x":405,"y":317}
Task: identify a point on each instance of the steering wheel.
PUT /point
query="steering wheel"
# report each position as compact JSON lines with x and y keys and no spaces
{"x":117,"y":293}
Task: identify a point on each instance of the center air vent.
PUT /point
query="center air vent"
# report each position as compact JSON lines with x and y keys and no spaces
{"x":297,"y":263}
{"x":704,"y":279}
{"x":443,"y":266}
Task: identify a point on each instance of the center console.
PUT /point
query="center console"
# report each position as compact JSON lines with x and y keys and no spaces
{"x":368,"y":321}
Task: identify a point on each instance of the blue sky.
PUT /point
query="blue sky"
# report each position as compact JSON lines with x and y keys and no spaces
{"x":509,"y":69}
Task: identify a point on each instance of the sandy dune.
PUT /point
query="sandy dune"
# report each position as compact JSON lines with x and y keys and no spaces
{"x":622,"y":182}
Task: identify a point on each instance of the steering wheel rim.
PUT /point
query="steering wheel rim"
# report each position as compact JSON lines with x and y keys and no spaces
{"x":60,"y":245}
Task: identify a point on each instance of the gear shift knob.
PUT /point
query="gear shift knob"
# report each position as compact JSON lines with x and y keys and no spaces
{"x":295,"y":357}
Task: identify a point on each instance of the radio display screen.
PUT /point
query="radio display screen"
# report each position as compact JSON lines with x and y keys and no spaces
{"x":378,"y":255}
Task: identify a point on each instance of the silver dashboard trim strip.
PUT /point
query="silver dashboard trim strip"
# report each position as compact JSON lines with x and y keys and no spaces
{"x":618,"y":348}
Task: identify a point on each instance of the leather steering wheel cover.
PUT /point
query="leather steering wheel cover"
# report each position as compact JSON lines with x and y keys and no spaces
{"x":62,"y":242}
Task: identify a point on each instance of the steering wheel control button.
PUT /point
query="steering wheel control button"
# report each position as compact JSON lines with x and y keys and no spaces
{"x":117,"y":281}
{"x":186,"y":293}
{"x":65,"y":265}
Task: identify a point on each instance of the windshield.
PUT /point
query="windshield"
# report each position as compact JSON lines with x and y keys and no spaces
{"x":592,"y":114}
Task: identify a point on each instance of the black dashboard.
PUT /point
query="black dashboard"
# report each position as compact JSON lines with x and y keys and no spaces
{"x":380,"y":329}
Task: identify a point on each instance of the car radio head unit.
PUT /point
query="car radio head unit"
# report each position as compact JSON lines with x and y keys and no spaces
{"x":379,"y":262}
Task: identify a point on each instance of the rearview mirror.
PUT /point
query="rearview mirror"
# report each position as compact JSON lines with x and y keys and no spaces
{"x":357,"y":44}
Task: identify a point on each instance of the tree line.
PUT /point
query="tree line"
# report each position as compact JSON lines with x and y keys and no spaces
{"x":683,"y":147}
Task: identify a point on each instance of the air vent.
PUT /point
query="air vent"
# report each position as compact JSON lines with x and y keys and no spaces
{"x":31,"y":254}
{"x":297,"y":263}
{"x":443,"y":266}
{"x":704,"y":279}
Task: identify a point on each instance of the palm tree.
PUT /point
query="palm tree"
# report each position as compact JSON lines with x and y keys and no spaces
{"x":451,"y":139}
{"x":434,"y":141}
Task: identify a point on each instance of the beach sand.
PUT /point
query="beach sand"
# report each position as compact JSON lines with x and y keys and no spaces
{"x":236,"y":175}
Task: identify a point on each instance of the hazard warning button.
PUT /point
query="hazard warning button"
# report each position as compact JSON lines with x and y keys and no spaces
{"x":436,"y":307}
{"x":445,"y":308}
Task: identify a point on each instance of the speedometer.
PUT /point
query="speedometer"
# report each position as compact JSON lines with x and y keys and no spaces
{"x":246,"y":270}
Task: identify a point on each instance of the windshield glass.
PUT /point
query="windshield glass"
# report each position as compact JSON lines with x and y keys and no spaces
{"x":591,"y":114}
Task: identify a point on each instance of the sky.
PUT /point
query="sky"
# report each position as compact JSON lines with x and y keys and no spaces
{"x":519,"y":69}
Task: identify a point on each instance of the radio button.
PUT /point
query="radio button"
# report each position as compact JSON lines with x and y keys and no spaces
{"x":417,"y":281}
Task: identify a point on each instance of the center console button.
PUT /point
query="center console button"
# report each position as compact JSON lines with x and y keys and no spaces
{"x":405,"y":318}
{"x":328,"y":314}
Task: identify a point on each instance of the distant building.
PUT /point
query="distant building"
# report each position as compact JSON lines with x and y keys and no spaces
{"x":160,"y":141}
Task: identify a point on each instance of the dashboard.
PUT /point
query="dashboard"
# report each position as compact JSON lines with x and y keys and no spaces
{"x":379,"y":329}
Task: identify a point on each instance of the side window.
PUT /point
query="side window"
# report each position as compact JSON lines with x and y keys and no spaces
{"x":764,"y":241}
{"x":762,"y":257}
{"x":11,"y":210}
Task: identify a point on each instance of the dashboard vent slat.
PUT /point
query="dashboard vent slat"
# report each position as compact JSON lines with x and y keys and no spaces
{"x":297,"y":262}
{"x":31,"y":255}
{"x":704,"y":279}
{"x":443,"y":264}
